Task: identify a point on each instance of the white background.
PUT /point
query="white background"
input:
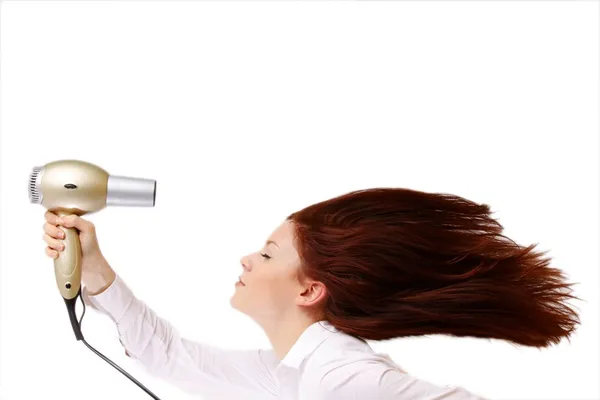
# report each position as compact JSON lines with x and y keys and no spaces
{"x":246,"y":111}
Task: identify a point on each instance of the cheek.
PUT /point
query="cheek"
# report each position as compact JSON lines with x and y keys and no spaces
{"x":277,"y":288}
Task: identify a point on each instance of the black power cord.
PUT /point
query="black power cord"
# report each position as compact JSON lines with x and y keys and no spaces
{"x":77,"y":329}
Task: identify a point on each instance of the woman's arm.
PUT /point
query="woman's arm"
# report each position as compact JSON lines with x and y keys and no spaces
{"x":194,"y":367}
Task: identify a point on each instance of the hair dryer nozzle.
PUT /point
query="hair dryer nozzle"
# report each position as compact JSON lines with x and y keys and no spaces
{"x":127,"y":191}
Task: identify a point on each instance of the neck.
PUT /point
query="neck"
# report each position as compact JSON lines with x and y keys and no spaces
{"x":285,"y":331}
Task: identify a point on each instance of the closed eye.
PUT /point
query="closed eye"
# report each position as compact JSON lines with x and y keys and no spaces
{"x":265,"y":256}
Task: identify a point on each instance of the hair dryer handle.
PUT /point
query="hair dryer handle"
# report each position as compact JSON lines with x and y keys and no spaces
{"x":67,"y":266}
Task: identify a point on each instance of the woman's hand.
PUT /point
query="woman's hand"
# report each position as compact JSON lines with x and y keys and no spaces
{"x":96,"y":273}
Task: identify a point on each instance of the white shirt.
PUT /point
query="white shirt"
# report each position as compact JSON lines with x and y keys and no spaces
{"x":323,"y":364}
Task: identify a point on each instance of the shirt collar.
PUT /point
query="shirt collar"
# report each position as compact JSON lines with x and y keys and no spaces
{"x":308,"y":342}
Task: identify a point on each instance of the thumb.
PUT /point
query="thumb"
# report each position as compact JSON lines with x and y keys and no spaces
{"x":74,"y":221}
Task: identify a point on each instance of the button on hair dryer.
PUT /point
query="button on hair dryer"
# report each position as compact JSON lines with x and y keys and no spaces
{"x":78,"y":187}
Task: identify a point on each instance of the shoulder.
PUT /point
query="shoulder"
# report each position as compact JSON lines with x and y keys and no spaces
{"x":342,"y":367}
{"x":347,"y":368}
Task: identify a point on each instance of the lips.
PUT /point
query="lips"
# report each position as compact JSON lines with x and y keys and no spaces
{"x":240,"y":280}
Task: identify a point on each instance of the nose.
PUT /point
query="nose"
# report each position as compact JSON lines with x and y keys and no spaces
{"x":245,"y":261}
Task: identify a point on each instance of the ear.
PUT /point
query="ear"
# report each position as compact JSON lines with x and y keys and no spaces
{"x":314,"y":293}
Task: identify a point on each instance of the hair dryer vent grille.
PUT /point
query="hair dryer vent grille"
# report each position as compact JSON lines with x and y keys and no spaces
{"x":34,"y":193}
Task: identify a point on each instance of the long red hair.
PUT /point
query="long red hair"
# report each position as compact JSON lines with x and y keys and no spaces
{"x":399,"y":262}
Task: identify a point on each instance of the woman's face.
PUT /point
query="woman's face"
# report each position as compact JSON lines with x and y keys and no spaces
{"x":270,"y":285}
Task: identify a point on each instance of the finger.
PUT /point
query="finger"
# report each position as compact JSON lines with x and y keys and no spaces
{"x":54,"y":231}
{"x":51,"y":253}
{"x":51,"y":217}
{"x":54,"y":243}
{"x":75,"y":221}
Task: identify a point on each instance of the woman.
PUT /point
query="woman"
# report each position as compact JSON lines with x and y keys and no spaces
{"x":371,"y":264}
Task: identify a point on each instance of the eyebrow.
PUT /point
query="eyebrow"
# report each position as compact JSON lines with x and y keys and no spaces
{"x":270,"y":241}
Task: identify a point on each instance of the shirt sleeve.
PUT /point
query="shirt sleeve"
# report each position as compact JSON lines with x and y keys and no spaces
{"x":196,"y":368}
{"x":377,"y":378}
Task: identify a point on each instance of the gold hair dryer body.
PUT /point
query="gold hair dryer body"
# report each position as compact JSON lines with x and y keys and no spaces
{"x":78,"y":187}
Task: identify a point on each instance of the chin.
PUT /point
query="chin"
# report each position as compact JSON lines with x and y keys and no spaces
{"x":233,"y":302}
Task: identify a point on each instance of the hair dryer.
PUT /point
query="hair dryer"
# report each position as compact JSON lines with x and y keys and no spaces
{"x":78,"y":187}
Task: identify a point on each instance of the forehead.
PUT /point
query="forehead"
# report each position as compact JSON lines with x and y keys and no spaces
{"x":283,"y":235}
{"x":285,"y":252}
